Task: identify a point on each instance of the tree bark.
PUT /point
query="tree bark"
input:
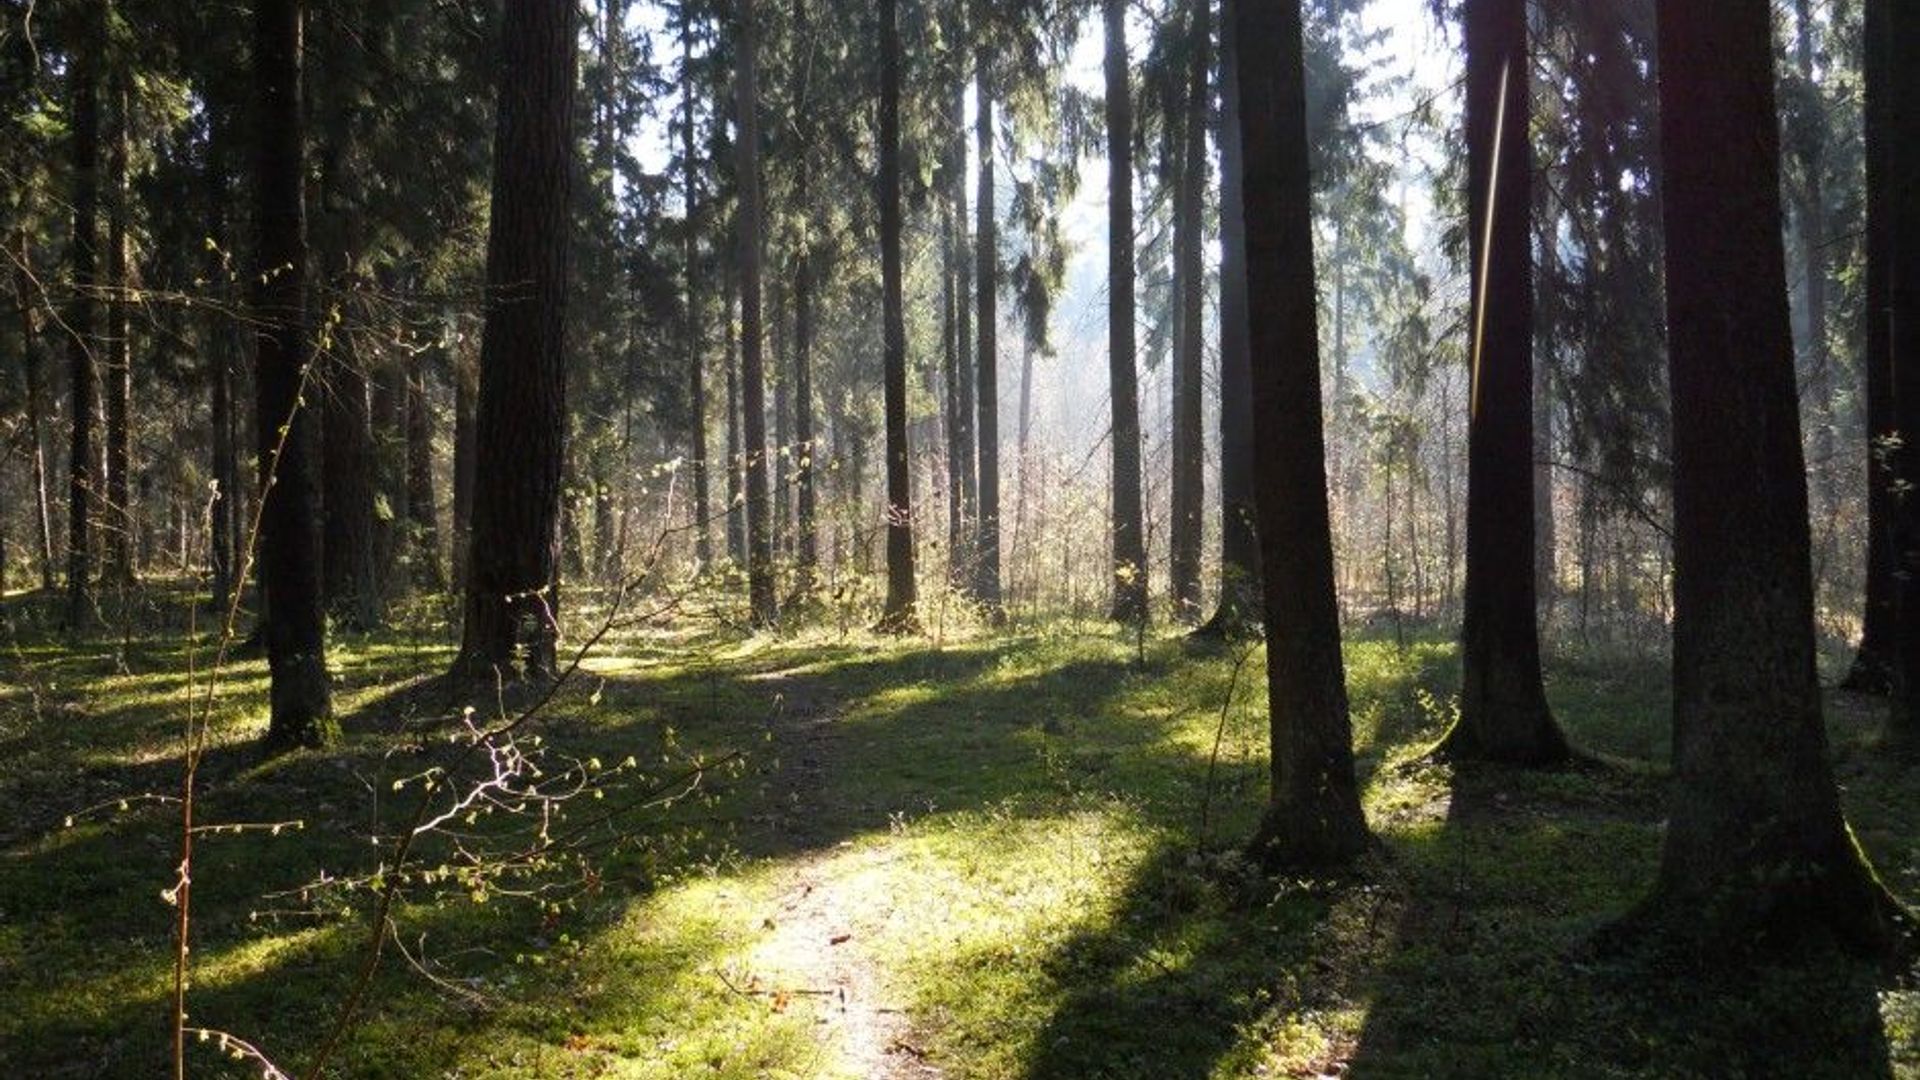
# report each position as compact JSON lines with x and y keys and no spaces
{"x":696,"y":355}
{"x":1901,"y":40}
{"x":1756,"y":848}
{"x":1189,"y":361}
{"x":423,"y":514}
{"x":1872,"y":664}
{"x":520,"y":426}
{"x":1313,"y":815}
{"x":295,"y":632}
{"x":36,"y":405}
{"x":466,"y":388}
{"x":986,"y":577}
{"x":1503,"y":706}
{"x":82,"y":379}
{"x":806,"y":528}
{"x":1129,"y":535}
{"x":736,"y":494}
{"x":899,"y":615}
{"x":120,"y":521}
{"x":748,"y":224}
{"x":349,"y":571}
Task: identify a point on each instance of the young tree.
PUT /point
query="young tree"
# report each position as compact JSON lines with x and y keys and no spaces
{"x":1756,"y":847}
{"x":295,"y":632}
{"x":899,"y":614}
{"x":749,"y":226}
{"x":1313,"y":814}
{"x":1129,"y":532}
{"x":1503,"y":707}
{"x":1239,"y":547}
{"x":986,"y":579}
{"x":520,"y":423}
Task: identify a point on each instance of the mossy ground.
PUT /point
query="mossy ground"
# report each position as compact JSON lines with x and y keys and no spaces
{"x":1014,"y":854}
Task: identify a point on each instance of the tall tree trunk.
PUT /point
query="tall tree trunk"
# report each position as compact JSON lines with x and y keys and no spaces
{"x":1810,"y":146}
{"x":1872,"y":665}
{"x":806,"y":529}
{"x":36,"y":405}
{"x":953,"y":333}
{"x":781,"y":376}
{"x":350,"y":574}
{"x":120,"y":520}
{"x":1503,"y":706}
{"x":423,"y":515}
{"x":1189,"y":362}
{"x":302,"y":705}
{"x":1129,"y":534}
{"x":899,"y":614}
{"x":1900,"y":39}
{"x":749,"y":225}
{"x":736,"y":466}
{"x":520,"y":429}
{"x":466,"y":389}
{"x":81,"y":319}
{"x":1239,"y":547}
{"x":1313,"y":815}
{"x":696,"y":353}
{"x":962,"y":556}
{"x":1020,"y":540}
{"x":1756,"y":848}
{"x":986,"y":579}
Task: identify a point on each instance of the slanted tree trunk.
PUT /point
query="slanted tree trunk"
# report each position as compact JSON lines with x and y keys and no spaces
{"x":295,"y":632}
{"x":1503,"y":706}
{"x":696,"y":353}
{"x":899,"y":614}
{"x":1313,"y":814}
{"x":520,"y":427}
{"x":1239,"y":547}
{"x":1189,"y":361}
{"x":749,"y":226}
{"x":120,"y":522}
{"x":1756,"y":849}
{"x":1872,"y":665}
{"x":986,"y":577}
{"x":1129,"y":533}
{"x":81,"y":318}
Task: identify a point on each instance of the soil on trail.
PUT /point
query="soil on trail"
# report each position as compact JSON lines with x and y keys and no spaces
{"x":816,"y":947}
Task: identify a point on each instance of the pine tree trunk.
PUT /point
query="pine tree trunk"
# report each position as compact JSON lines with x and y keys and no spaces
{"x":1238,"y":610}
{"x":36,"y":403}
{"x":950,"y":286}
{"x":1901,"y":41}
{"x":423,"y":514}
{"x":1809,"y":139}
{"x":520,"y":426}
{"x":1129,"y":535}
{"x":1756,"y":848}
{"x":1503,"y":706}
{"x":899,"y":615}
{"x":986,"y":578}
{"x":120,"y":522}
{"x":1872,"y":665}
{"x":1313,"y":815}
{"x":1189,"y":365}
{"x":806,"y":529}
{"x":466,"y":388}
{"x":736,"y":496}
{"x":295,"y":632}
{"x":81,"y":318}
{"x":753,"y":391}
{"x":696,"y":354}
{"x":350,"y":575}
{"x":963,"y":554}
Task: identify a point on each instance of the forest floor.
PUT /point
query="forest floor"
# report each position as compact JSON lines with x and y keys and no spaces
{"x":998,"y":856}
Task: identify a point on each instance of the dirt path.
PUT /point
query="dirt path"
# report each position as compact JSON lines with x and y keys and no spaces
{"x":817,"y":949}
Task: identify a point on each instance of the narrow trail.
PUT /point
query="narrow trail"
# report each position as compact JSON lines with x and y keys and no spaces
{"x":816,"y":952}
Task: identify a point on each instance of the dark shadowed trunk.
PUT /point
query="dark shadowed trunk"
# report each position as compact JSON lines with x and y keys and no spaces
{"x":81,"y":317}
{"x":806,"y":555}
{"x":520,"y":427}
{"x":899,"y":614}
{"x":1871,"y":671}
{"x":1901,"y":40}
{"x":986,"y":577}
{"x":1755,"y":848}
{"x":1129,"y":534}
{"x":1503,"y":707}
{"x":36,"y":403}
{"x":1313,"y":815}
{"x":423,"y":514}
{"x":349,"y":572}
{"x":1239,"y":606}
{"x":119,"y":522}
{"x":1189,"y":441}
{"x":748,"y":224}
{"x":302,"y":706}
{"x":736,"y":496}
{"x":466,"y":388}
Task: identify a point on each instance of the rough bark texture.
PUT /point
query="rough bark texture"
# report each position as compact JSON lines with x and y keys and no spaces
{"x":986,"y":576}
{"x":1189,"y":360}
{"x":1238,"y":611}
{"x":1313,"y":815}
{"x":295,"y":632}
{"x":120,"y":524}
{"x":696,"y":353}
{"x":1872,"y":665}
{"x":962,"y":555}
{"x":1756,"y":848}
{"x":349,"y":572}
{"x":1503,"y":707}
{"x":520,"y":426}
{"x":899,"y":614}
{"x":466,"y":389}
{"x":1901,"y":40}
{"x":753,"y":391}
{"x":1129,"y":533}
{"x":81,"y":317}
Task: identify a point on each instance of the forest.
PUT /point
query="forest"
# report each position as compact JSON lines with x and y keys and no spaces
{"x":974,"y":539}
